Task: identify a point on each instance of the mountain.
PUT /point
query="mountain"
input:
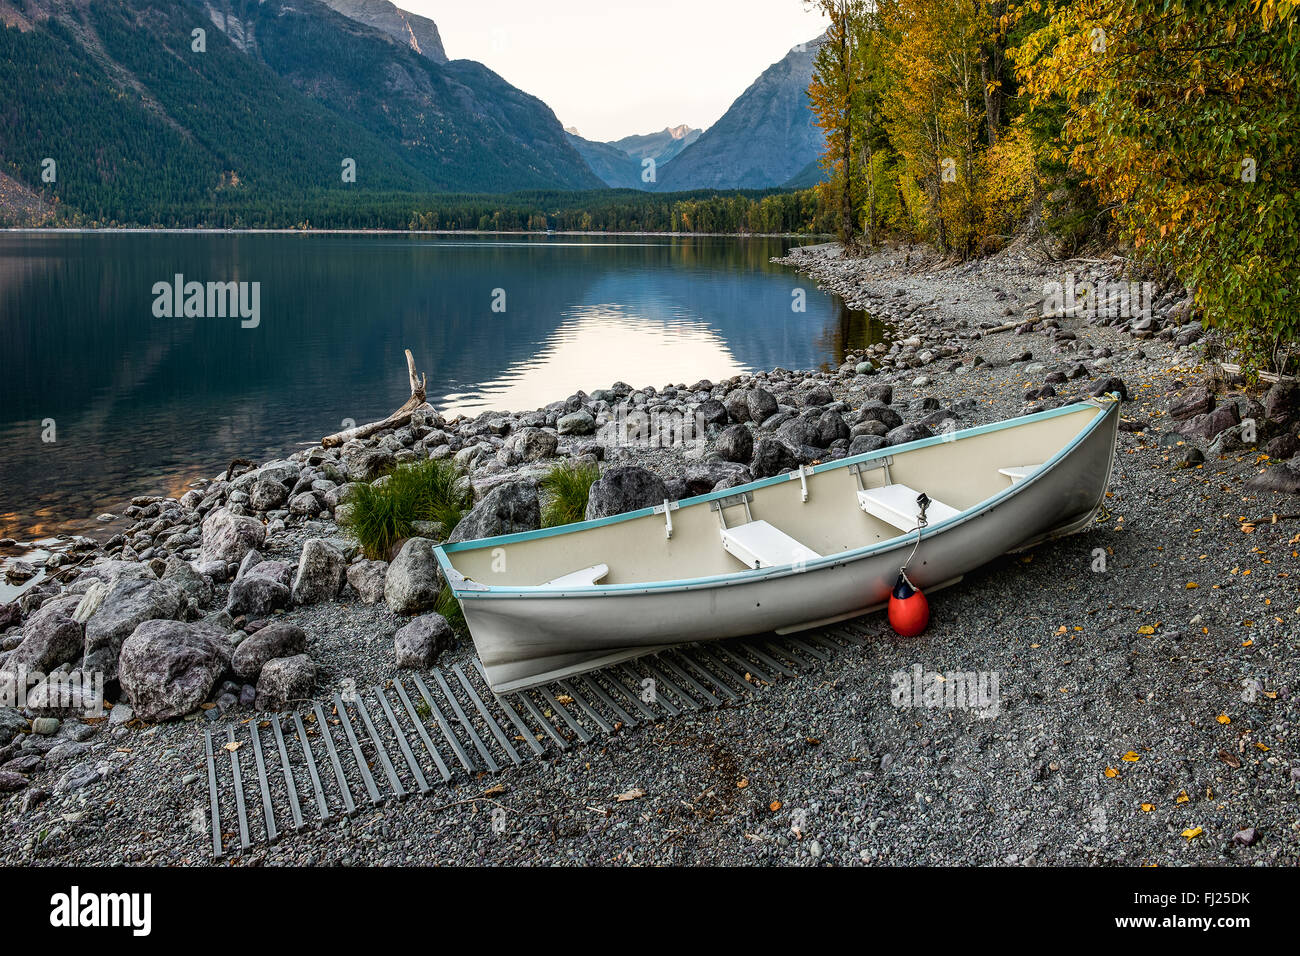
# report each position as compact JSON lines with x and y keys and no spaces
{"x":661,"y":146}
{"x":614,"y":167}
{"x":458,"y":122}
{"x":806,"y":178}
{"x":767,"y":136}
{"x":409,"y":29}
{"x":621,"y":163}
{"x":142,"y":125}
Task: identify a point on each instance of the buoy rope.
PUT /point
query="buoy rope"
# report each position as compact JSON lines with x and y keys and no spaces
{"x":922,"y":502}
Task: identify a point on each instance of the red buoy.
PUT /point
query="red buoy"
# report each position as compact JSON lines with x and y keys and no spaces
{"x":909,"y":611}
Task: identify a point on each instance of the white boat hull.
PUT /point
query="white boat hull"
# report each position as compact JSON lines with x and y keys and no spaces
{"x":528,"y":638}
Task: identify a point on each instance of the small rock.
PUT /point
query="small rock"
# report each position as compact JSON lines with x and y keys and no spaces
{"x":413,"y":580}
{"x":419,"y":643}
{"x":284,"y":681}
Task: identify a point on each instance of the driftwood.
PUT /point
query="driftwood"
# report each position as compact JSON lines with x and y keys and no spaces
{"x":1008,"y":326}
{"x":400,"y":417}
{"x":1271,"y":377}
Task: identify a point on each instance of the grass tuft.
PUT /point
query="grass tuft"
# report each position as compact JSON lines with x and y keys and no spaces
{"x":567,"y":487}
{"x":381,"y":515}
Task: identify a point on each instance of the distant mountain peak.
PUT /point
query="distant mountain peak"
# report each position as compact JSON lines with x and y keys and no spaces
{"x":409,"y":29}
{"x":766,"y":137}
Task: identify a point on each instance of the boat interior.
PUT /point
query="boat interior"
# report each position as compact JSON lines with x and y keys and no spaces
{"x":814,"y":512}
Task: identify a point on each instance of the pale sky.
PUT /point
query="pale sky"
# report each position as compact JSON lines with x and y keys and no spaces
{"x":616,"y":67}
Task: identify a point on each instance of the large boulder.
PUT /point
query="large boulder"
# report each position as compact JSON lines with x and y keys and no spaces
{"x":368,"y":464}
{"x":625,"y":488}
{"x":284,"y":681}
{"x":413,"y":580}
{"x":771,"y":457}
{"x":267,"y":495}
{"x":1282,"y":479}
{"x":817,"y":396}
{"x":711,"y":412}
{"x":128,"y":603}
{"x":51,"y":637}
{"x":576,"y":423}
{"x":1282,"y":404}
{"x":260,"y":590}
{"x":168,"y":668}
{"x":321,"y":568}
{"x":12,"y":723}
{"x":228,"y":537}
{"x":761,"y":405}
{"x":367,"y":579}
{"x":1108,"y":385}
{"x":880,"y":412}
{"x":737,"y":405}
{"x":193,"y":585}
{"x":735,"y":443}
{"x":803,"y":435}
{"x":1198,"y":401}
{"x":912,"y":431}
{"x":508,"y":508}
{"x":419,"y":643}
{"x":1209,"y":425}
{"x":861,"y":444}
{"x":274,"y":640}
{"x":714,"y":475}
{"x":829,"y":427}
{"x":533,"y":444}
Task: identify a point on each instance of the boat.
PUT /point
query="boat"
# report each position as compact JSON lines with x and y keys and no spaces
{"x":800,"y":550}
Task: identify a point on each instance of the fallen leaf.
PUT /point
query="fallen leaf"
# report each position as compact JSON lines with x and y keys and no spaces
{"x":632,"y":794}
{"x":1146,"y":629}
{"x":1182,"y":797}
{"x":742,"y":783}
{"x":1230,"y":759}
{"x":1132,"y":757}
{"x":1193,"y":832}
{"x":774,"y":806}
{"x":232,"y":746}
{"x":1111,"y":772}
{"x":1224,"y":719}
{"x":1148,"y":807}
{"x":494,"y":791}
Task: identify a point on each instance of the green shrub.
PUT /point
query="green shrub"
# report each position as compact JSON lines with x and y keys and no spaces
{"x":449,"y":607}
{"x":379,"y":515}
{"x":567,"y":487}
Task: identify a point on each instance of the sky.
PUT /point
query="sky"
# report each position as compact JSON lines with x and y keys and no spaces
{"x":612,"y":68}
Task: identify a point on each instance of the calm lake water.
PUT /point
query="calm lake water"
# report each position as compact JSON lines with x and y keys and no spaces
{"x":141,"y":404}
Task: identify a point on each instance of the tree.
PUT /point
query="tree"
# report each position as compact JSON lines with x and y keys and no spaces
{"x":1183,"y":116}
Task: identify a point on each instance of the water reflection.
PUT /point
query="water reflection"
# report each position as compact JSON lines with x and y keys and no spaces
{"x":142,"y":405}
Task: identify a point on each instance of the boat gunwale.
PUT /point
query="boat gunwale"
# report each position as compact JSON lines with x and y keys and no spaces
{"x":464,"y":588}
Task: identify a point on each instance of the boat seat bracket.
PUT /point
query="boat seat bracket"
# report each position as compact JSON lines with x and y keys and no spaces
{"x":859,"y":469}
{"x":802,"y":473}
{"x":721,"y":504}
{"x":666,"y":509}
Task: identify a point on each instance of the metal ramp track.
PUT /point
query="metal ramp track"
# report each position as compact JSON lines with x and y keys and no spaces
{"x":413,"y":735}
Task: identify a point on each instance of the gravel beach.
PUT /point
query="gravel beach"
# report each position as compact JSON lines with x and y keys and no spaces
{"x":1147,"y":669}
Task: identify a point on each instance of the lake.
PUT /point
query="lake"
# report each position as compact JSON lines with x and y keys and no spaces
{"x":105,"y":393}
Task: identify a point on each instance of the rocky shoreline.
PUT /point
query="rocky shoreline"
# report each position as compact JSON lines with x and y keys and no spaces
{"x":244,"y":597}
